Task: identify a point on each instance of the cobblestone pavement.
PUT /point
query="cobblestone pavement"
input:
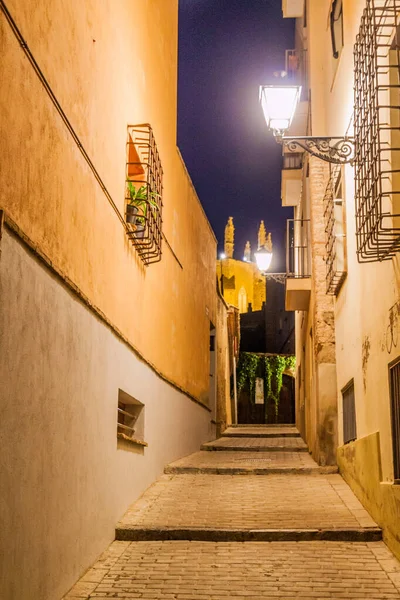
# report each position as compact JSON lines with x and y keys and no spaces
{"x":256,"y":444}
{"x":248,"y":462}
{"x":251,"y":502}
{"x":217,"y":570}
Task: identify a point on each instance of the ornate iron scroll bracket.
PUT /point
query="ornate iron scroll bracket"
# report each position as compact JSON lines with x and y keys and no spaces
{"x":278,"y":277}
{"x":339,"y":150}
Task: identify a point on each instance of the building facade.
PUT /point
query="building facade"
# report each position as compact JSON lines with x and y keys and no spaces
{"x":343,"y":273}
{"x":108,"y":302}
{"x":241,"y":282}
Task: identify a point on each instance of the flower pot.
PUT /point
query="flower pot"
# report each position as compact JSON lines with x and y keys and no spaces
{"x":131,"y":212}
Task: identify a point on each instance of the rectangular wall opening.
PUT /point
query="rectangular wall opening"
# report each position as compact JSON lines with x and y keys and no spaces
{"x":349,"y":413}
{"x":130,"y":418}
{"x":394,"y":374}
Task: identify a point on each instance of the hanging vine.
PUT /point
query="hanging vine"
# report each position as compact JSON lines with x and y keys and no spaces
{"x":274,"y":368}
{"x":246,"y":371}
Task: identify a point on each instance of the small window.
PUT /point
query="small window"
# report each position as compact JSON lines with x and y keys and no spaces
{"x":130,"y":419}
{"x":336,"y":24}
{"x":349,"y":413}
{"x":394,"y":373}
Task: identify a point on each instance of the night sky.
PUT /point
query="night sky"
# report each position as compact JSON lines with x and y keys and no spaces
{"x":227,"y":48}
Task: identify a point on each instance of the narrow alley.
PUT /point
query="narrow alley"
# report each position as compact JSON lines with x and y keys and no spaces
{"x":249,"y":515}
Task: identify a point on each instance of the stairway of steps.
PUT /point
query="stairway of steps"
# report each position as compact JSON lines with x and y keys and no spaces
{"x":250,"y":514}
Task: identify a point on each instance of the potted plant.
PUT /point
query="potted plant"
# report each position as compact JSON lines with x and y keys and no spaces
{"x":136,"y":208}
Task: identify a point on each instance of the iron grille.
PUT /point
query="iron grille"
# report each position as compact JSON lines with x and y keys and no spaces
{"x":349,"y":413}
{"x":143,"y":193}
{"x":376,"y":129}
{"x":298,"y":263}
{"x":335,"y":237}
{"x":394,"y":372}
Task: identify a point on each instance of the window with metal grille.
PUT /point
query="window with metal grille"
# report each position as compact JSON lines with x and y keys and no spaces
{"x":143,"y":193}
{"x":377,"y":131}
{"x":349,"y":413}
{"x":394,"y":374}
{"x":335,"y":232}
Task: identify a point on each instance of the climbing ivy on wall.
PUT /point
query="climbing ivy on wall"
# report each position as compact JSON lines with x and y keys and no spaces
{"x":274,"y":367}
{"x":246,"y":371}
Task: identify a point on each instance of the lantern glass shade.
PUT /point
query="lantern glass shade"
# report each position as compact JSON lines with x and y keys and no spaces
{"x":279,"y":105}
{"x":263,"y":259}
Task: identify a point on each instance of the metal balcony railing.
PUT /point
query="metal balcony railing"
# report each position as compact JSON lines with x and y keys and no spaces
{"x":298,"y":259}
{"x":292,"y":160}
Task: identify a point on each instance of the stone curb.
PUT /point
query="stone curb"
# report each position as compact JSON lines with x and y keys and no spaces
{"x":250,"y":470}
{"x":211,"y":448}
{"x":141,"y":534}
{"x":260,"y":435}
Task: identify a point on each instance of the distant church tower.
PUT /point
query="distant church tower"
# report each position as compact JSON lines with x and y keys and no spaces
{"x":264,"y":240}
{"x":229,"y":238}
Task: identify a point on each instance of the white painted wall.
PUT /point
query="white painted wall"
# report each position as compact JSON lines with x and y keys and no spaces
{"x":64,"y":483}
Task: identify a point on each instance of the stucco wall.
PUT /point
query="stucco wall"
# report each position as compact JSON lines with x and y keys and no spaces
{"x":64,"y":480}
{"x":362,"y":308}
{"x":109,"y":64}
{"x":224,"y":412}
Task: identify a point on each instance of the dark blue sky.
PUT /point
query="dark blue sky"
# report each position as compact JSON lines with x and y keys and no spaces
{"x":227,"y":48}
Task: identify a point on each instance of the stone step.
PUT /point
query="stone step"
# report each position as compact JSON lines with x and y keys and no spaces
{"x":220,"y":447}
{"x":202,"y":534}
{"x":214,"y":470}
{"x":259,"y":431}
{"x":248,"y":463}
{"x":269,"y":434}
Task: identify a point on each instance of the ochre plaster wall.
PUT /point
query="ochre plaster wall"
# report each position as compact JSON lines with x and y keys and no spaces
{"x":224,"y":412}
{"x":360,"y":464}
{"x":109,"y":64}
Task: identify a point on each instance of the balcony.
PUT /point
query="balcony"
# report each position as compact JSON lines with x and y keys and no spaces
{"x":292,"y":8}
{"x":292,"y":179}
{"x":298,"y":265}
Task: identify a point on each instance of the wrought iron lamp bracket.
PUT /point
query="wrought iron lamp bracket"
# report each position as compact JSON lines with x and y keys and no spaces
{"x":278,"y":277}
{"x":338,"y":150}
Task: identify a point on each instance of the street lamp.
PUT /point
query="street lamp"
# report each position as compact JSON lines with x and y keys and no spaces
{"x":279,"y":103}
{"x":263,"y":259}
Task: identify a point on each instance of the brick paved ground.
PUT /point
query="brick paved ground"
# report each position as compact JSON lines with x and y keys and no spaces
{"x":248,"y":462}
{"x":251,"y":502}
{"x":218,"y":571}
{"x":215,"y":570}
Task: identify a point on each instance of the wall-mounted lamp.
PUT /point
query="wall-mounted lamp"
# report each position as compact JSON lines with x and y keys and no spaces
{"x":279,"y":103}
{"x":263,"y":259}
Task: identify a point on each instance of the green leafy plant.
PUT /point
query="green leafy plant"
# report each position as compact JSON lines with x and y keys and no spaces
{"x":246,"y":370}
{"x":142,"y":198}
{"x":274,"y":368}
